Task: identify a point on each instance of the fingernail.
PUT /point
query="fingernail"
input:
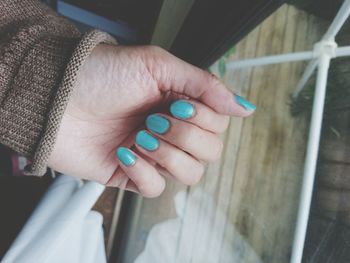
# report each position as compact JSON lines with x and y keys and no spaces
{"x":244,"y":103}
{"x":157,"y":124}
{"x":147,"y":141}
{"x":126,"y":156}
{"x":182,"y":109}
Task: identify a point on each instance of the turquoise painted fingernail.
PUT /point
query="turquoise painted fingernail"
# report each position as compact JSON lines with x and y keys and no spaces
{"x":157,"y":124}
{"x":182,"y":109}
{"x":244,"y":103}
{"x":147,"y":141}
{"x":126,"y":156}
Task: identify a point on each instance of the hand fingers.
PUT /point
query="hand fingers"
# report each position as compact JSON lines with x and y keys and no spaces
{"x":145,"y":177}
{"x":121,"y":180}
{"x":174,"y":74}
{"x":192,"y":112}
{"x":202,"y":144}
{"x":198,"y":114}
{"x":179,"y":164}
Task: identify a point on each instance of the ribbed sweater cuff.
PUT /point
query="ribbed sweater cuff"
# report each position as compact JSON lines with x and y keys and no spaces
{"x":58,"y":104}
{"x":40,"y":56}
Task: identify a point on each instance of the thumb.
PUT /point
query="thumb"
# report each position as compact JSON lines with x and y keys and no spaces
{"x":176,"y":75}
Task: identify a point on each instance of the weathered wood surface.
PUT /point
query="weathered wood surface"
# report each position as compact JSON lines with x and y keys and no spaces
{"x":255,"y":186}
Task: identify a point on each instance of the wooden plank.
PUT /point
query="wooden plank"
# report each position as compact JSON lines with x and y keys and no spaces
{"x":249,"y":198}
{"x":256,"y":176}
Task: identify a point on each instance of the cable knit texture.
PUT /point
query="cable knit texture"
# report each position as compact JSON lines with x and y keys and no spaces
{"x":40,"y":56}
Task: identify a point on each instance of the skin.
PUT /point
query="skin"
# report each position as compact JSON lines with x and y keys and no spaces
{"x":116,"y":89}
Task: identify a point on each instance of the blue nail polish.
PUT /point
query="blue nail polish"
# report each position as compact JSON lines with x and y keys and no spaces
{"x":147,"y":141}
{"x":244,"y":103}
{"x":182,"y":109}
{"x":126,"y":156}
{"x":157,"y":124}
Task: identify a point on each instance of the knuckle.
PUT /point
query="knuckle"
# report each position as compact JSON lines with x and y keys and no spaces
{"x":189,"y":173}
{"x":156,"y":61}
{"x":217,"y":150}
{"x":171,"y":161}
{"x":152,"y":188}
{"x":187,"y":136}
{"x":214,"y":81}
{"x":151,"y":192}
{"x":154,"y":49}
{"x":222,"y":122}
{"x":116,"y":180}
{"x":225,"y":123}
{"x":196,"y":175}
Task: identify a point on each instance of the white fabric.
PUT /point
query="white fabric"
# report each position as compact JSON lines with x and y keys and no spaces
{"x":62,"y":228}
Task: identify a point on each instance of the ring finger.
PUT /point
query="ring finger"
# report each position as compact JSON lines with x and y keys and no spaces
{"x":181,"y":165}
{"x":200,"y":143}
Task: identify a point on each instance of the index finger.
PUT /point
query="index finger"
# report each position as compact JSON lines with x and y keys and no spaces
{"x":176,"y":75}
{"x":199,"y":114}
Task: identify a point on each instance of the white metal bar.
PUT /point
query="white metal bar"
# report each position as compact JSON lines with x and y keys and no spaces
{"x":311,"y":159}
{"x":338,"y":21}
{"x":275,"y":59}
{"x":342,"y":51}
{"x":288,"y":57}
{"x":310,"y":68}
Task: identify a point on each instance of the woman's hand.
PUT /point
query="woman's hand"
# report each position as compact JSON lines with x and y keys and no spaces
{"x":138,"y":114}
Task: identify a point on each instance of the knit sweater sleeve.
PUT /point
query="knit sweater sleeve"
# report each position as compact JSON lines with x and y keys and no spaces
{"x":40,"y":56}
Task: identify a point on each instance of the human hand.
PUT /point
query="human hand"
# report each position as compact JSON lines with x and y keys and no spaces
{"x":117,"y":88}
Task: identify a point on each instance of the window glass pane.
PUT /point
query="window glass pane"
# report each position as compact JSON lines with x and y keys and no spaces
{"x":245,"y":207}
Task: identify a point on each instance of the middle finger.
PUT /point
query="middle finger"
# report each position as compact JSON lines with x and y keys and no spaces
{"x":201,"y":144}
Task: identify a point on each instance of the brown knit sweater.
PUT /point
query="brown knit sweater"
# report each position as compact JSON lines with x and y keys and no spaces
{"x":40,"y":56}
